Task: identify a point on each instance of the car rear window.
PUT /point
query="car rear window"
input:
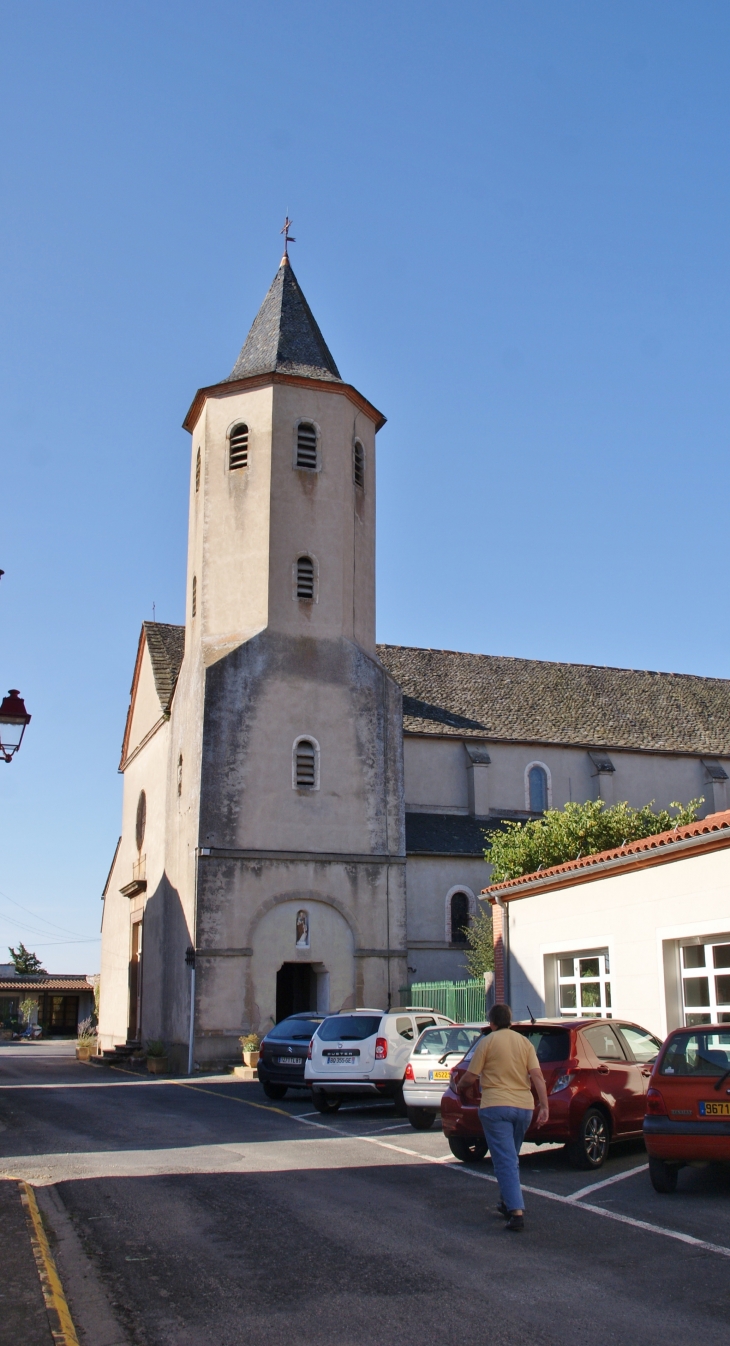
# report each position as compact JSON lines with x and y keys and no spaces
{"x":551,"y":1044}
{"x":445,"y":1041}
{"x":697,"y":1053}
{"x":349,"y":1027}
{"x":294,"y":1030}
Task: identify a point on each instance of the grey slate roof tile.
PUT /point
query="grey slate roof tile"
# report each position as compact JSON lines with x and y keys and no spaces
{"x":447,"y":834}
{"x":166,"y":644}
{"x":531,"y":700}
{"x":284,"y":337}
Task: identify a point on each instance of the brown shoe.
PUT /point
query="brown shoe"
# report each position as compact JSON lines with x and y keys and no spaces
{"x":516,"y":1223}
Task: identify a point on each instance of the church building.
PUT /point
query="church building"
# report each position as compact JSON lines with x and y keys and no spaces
{"x":305,"y":812}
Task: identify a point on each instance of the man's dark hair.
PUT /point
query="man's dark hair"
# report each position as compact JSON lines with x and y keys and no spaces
{"x":500,"y":1016}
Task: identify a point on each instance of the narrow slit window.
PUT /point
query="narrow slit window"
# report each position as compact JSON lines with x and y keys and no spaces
{"x":459,"y":918}
{"x":307,"y":446}
{"x":238,"y":447}
{"x":358,"y":465}
{"x":195,"y":595}
{"x":197,"y":473}
{"x":305,"y":579}
{"x":537,"y":781}
{"x":305,"y":764}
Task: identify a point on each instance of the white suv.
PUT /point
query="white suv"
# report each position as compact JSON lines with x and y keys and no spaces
{"x":365,"y":1051}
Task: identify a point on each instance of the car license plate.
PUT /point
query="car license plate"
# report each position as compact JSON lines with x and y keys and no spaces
{"x":714,"y":1109}
{"x":340,"y":1060}
{"x":439,"y":1074}
{"x":289,"y":1060}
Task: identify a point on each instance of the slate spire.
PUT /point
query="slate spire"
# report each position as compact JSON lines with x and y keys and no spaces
{"x":284,"y":337}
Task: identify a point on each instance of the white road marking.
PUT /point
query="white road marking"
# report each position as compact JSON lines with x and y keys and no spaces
{"x":607,"y":1182}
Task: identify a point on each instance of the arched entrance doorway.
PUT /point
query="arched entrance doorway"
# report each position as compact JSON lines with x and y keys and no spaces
{"x":296,"y":989}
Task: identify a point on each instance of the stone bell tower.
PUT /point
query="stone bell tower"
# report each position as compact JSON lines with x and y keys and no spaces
{"x":291,"y":722}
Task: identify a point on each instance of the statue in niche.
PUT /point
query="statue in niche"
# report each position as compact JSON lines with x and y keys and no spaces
{"x":302,"y":929}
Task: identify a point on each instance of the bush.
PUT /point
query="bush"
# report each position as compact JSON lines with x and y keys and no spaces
{"x":480,"y":955}
{"x":155,"y":1047}
{"x":577,"y":830}
{"x":87,"y":1033}
{"x":250,"y":1043}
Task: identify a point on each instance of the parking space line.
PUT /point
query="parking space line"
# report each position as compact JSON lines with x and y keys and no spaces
{"x":607,"y":1182}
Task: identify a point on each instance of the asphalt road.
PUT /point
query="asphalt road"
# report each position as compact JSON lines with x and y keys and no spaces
{"x":199,"y":1213}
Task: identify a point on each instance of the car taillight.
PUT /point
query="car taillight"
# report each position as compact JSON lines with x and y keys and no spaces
{"x":261,"y":1046}
{"x":409,"y":1073}
{"x":655,"y":1103}
{"x":309,"y":1052}
{"x":381,"y":1049}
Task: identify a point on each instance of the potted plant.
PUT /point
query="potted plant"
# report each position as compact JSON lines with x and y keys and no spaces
{"x":156,"y":1057}
{"x":250,"y":1047}
{"x":86,"y":1040}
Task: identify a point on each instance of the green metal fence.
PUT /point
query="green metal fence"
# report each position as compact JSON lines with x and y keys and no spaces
{"x":464,"y":1001}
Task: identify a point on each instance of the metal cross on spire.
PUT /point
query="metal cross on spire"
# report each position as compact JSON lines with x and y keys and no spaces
{"x":287,"y":240}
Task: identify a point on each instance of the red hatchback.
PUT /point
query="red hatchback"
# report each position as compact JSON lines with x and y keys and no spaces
{"x":688,"y":1103}
{"x":597,"y":1072}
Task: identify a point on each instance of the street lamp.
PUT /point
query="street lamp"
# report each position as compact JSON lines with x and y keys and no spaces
{"x":13,"y":720}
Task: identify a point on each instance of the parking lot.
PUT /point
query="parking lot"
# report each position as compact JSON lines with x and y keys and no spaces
{"x":198,"y":1211}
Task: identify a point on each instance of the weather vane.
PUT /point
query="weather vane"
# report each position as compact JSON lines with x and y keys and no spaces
{"x":287,"y":240}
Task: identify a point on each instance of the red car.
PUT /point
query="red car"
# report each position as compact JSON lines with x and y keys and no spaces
{"x":688,"y":1103}
{"x":597,"y":1072}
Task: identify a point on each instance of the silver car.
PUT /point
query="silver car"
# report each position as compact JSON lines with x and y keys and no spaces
{"x":429,"y":1068}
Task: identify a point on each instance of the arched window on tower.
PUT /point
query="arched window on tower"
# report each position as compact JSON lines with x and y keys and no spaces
{"x":238,"y":447}
{"x":307,"y":446}
{"x":538,"y":788}
{"x":197,"y":472}
{"x":459,"y":917}
{"x":305,"y":764}
{"x":305,"y":579}
{"x":358,"y":465}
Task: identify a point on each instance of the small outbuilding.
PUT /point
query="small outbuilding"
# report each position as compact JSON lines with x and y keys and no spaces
{"x":61,"y":1002}
{"x":640,"y":933}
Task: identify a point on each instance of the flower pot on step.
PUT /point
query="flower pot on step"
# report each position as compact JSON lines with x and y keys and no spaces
{"x":250,"y":1058}
{"x":83,"y":1053}
{"x":157,"y":1065}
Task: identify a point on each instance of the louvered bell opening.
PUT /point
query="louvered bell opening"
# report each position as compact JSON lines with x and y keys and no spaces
{"x":305,"y":764}
{"x":197,"y":472}
{"x":359,"y":466}
{"x":305,"y":578}
{"x":307,"y":446}
{"x":238,"y":450}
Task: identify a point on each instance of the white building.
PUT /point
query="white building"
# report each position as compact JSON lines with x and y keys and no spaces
{"x":303,"y":808}
{"x":640,"y":933}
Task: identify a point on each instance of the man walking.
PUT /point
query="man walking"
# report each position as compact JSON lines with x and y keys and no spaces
{"x":505,"y":1062}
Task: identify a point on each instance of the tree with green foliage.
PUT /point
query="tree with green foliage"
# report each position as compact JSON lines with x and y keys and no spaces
{"x":577,"y":830}
{"x":480,"y":955}
{"x":25,"y":962}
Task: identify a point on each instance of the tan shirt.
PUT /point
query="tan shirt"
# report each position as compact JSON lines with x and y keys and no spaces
{"x":501,"y":1060}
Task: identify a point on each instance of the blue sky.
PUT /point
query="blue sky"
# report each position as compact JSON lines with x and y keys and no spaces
{"x":512,"y":224}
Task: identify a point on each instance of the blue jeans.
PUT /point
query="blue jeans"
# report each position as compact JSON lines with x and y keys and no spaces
{"x":505,"y":1129}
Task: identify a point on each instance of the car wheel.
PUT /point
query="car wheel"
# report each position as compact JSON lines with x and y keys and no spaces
{"x":469,"y":1149}
{"x":274,"y":1090}
{"x":590,"y":1148}
{"x":422,"y":1119}
{"x":325,"y":1102}
{"x":400,"y":1103}
{"x":663,"y":1175}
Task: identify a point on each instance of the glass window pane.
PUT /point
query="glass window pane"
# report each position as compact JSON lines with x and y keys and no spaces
{"x":643,"y":1045}
{"x":696,"y":991}
{"x":698,"y":1019}
{"x":538,"y":789}
{"x":604,"y":1042}
{"x":607,"y":989}
{"x":567,"y":967}
{"x":590,"y":995}
{"x":567,"y":997}
{"x":694,"y":955}
{"x":589,"y":967}
{"x":721,"y":955}
{"x":722,"y":990}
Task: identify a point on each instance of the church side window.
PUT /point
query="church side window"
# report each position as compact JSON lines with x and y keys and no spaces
{"x":537,"y":785}
{"x":358,"y":465}
{"x":194,"y":599}
{"x":197,"y":472}
{"x":307,"y":446}
{"x":305,"y":764}
{"x":238,"y":447}
{"x":305,"y":579}
{"x":459,"y":917}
